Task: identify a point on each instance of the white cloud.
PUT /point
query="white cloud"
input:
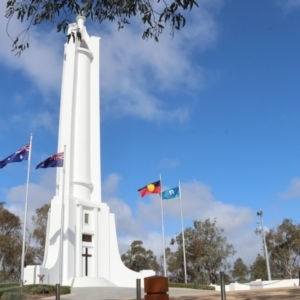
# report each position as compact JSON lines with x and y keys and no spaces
{"x":288,"y":6}
{"x":41,"y":63}
{"x":38,"y":195}
{"x":152,"y":241}
{"x":292,"y":191}
{"x":42,"y":119}
{"x":110,"y":185}
{"x":136,"y":70}
{"x":292,"y":4}
{"x":126,"y":224}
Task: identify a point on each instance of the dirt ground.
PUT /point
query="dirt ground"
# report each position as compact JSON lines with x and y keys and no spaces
{"x":292,"y":293}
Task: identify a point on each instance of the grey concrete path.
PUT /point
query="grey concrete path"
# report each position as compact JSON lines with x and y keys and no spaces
{"x":107,"y":293}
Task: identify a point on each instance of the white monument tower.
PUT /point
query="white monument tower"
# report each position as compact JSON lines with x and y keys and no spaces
{"x":90,"y":255}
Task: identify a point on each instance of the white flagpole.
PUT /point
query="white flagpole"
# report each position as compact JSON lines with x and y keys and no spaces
{"x":25,"y":214}
{"x":163,"y":230}
{"x":183,"y":240}
{"x":62,"y":222}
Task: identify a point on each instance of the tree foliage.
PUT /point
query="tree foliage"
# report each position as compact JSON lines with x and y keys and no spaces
{"x":207,"y":251}
{"x":240,"y":270}
{"x":137,"y":258}
{"x":283,"y":244}
{"x":40,"y":227}
{"x":258,"y":269}
{"x":154,"y":15}
{"x":10,"y":236}
{"x":11,"y":242}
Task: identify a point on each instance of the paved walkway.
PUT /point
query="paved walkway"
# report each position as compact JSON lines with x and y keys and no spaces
{"x":108,"y":293}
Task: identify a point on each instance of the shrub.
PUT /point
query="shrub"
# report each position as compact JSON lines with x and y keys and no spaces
{"x":65,"y":289}
{"x":10,"y":290}
{"x":13,"y":296}
{"x":10,"y":284}
{"x":34,"y":289}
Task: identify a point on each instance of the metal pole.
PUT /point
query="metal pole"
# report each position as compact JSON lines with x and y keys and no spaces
{"x":57,"y":292}
{"x":223,"y":293}
{"x":138,"y":289}
{"x":183,"y":239}
{"x":260,"y":213}
{"x":62,"y":222}
{"x":25,"y":215}
{"x":163,"y":230}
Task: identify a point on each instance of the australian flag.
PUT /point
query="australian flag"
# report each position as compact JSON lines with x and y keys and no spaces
{"x":18,"y":156}
{"x":56,"y":160}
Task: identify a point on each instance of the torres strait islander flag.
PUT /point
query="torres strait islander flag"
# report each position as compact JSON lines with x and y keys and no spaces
{"x":151,"y":188}
{"x":171,"y":193}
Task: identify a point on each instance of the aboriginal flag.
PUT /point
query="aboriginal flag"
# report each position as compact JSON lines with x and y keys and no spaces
{"x":151,"y":188}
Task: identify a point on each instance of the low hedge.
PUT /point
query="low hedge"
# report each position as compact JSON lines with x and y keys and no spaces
{"x":13,"y":296}
{"x":45,"y":289}
{"x":34,"y":289}
{"x":11,"y":284}
{"x":191,"y":286}
{"x":12,"y":289}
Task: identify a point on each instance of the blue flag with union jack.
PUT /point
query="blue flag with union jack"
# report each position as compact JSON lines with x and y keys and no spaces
{"x":18,"y":156}
{"x":56,"y":160}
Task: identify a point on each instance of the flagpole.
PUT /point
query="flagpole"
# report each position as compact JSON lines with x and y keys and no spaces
{"x":62,"y":221}
{"x":25,"y":213}
{"x":183,"y":239}
{"x":163,"y":230}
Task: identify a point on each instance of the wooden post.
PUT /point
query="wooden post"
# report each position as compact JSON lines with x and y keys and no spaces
{"x":156,"y":287}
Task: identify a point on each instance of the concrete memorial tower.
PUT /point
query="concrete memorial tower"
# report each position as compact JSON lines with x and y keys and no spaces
{"x":90,"y":255}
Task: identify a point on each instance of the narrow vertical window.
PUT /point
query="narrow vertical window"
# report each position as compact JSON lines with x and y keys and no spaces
{"x":86,"y":218}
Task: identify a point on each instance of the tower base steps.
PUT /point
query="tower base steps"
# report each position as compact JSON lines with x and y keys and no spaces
{"x":89,"y":282}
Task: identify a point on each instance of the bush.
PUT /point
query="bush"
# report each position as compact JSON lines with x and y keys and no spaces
{"x":10,"y":284}
{"x":65,"y":289}
{"x":34,"y":289}
{"x":10,"y":290}
{"x":191,"y":286}
{"x":45,"y":289}
{"x":13,"y":296}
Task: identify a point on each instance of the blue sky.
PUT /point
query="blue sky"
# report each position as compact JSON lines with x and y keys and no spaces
{"x":217,"y":107}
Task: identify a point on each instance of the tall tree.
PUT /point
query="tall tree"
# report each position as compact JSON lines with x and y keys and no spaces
{"x":240,"y":270}
{"x":137,"y":258}
{"x":283,"y":244}
{"x":174,"y":266}
{"x":258,"y":269}
{"x":11,"y":241}
{"x":40,"y":227}
{"x":11,"y":245}
{"x":154,"y":15}
{"x":207,"y":251}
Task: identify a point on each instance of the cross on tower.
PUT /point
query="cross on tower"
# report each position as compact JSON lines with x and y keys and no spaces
{"x":86,"y":255}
